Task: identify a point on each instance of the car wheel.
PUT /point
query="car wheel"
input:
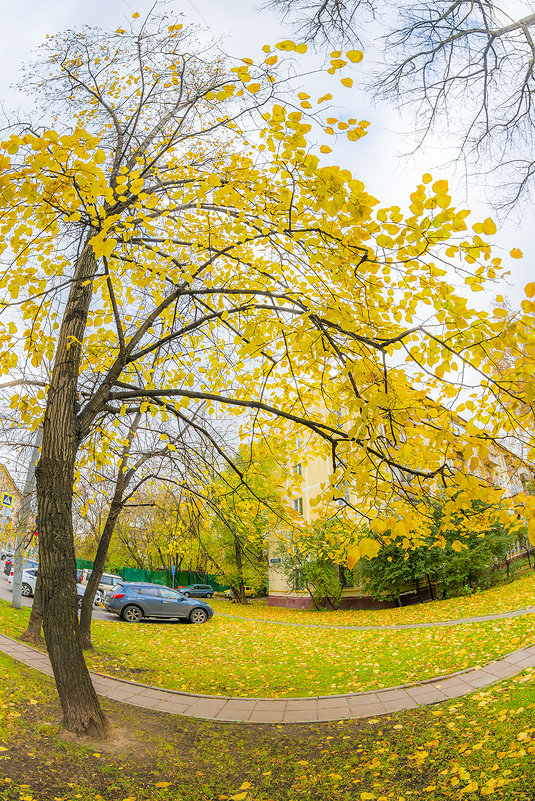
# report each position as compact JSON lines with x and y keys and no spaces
{"x":98,"y":597}
{"x":209,"y":594}
{"x":187,"y":595}
{"x":132,"y":614}
{"x":26,"y":590}
{"x":198,"y":616}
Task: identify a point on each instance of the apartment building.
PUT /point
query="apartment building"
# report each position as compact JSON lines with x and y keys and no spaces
{"x":503,"y":468}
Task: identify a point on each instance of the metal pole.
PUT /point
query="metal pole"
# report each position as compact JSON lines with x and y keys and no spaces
{"x":23,"y":520}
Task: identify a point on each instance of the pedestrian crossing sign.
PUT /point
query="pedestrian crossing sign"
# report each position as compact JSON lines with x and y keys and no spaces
{"x":7,"y":500}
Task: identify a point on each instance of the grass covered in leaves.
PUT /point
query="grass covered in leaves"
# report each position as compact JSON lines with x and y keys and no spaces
{"x":471,"y":748}
{"x":519,"y":594}
{"x":254,"y":658}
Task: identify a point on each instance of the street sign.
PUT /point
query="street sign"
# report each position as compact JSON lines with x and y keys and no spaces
{"x":275,"y":561}
{"x":7,"y":500}
{"x":173,"y":568}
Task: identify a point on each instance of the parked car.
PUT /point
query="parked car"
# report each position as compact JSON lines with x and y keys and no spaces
{"x":250,"y":592}
{"x":107,"y":582}
{"x":134,"y":601}
{"x":27,"y":564}
{"x":197,"y":591}
{"x":29,"y":577}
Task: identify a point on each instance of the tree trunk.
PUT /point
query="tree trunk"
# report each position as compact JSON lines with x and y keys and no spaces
{"x":32,"y":634}
{"x":239,"y":566}
{"x":55,"y":477}
{"x":96,"y":574}
{"x":431,"y":593}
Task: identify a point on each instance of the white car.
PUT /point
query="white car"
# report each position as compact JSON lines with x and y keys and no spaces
{"x":29,"y":577}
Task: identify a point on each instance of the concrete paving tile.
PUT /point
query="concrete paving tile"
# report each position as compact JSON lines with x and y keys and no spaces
{"x":457,"y":691}
{"x":301,"y":716}
{"x":120,"y":693}
{"x":241,"y":703}
{"x":232,"y":711}
{"x":400,"y":703}
{"x":342,"y":711}
{"x":391,"y":695}
{"x":525,"y":662}
{"x":269,"y":706}
{"x":327,"y":703}
{"x":152,"y":694}
{"x":367,"y":710}
{"x":172,"y":708}
{"x":364,"y":699}
{"x":265,"y":717}
{"x":136,"y":700}
{"x":426,"y":695}
{"x":302,"y":703}
{"x":504,"y":669}
{"x":203,"y":710}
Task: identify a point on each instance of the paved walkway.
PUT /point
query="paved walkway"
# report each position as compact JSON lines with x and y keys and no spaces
{"x":289,"y":710}
{"x":528,"y":610}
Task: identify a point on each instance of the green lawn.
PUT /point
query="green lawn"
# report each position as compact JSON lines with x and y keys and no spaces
{"x":468,"y":749}
{"x":504,"y":598}
{"x":257,"y":658}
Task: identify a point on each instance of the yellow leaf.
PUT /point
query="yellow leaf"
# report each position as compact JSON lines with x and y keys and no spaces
{"x":457,"y":545}
{"x":325,"y":149}
{"x":530,"y":289}
{"x":245,"y":786}
{"x":516,"y":253}
{"x":239,"y":796}
{"x":353,"y":556}
{"x":489,"y":226}
{"x":347,"y":82}
{"x":162,"y":784}
{"x":355,"y":56}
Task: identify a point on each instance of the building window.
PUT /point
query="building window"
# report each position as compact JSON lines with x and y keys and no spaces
{"x":298,"y":468}
{"x":297,"y":504}
{"x":297,"y":581}
{"x":298,"y":442}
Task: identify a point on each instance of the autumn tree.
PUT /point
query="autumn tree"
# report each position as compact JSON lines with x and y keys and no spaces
{"x":244,"y":507}
{"x":162,"y":258}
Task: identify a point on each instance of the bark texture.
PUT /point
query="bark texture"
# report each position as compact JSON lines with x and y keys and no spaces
{"x":54,"y":478}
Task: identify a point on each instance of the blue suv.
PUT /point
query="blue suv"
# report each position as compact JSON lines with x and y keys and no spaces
{"x":134,"y":601}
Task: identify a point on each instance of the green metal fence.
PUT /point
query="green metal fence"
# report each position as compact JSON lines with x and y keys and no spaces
{"x":183,"y":578}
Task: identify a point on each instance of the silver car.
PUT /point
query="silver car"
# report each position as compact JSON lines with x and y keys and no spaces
{"x":134,"y":601}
